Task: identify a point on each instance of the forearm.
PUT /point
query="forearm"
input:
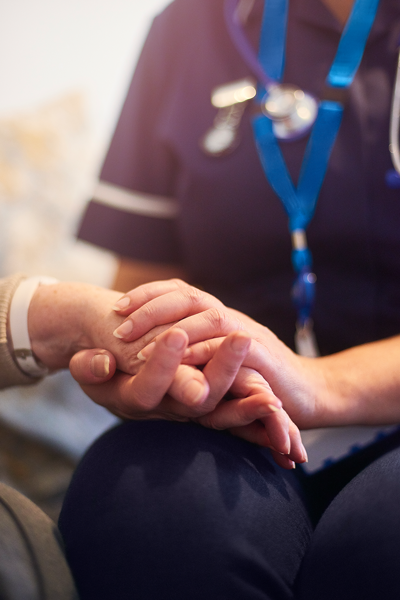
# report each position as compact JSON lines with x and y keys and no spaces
{"x":362,"y":384}
{"x":132,"y":273}
{"x":358,"y":386}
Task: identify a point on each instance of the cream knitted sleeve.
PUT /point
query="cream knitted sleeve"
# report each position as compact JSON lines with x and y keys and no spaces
{"x":10,"y":373}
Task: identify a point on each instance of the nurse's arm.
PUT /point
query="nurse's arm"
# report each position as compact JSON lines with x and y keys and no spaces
{"x":359,"y":386}
{"x":132,"y":273}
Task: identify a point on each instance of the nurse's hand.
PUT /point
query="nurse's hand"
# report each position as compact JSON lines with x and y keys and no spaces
{"x":252,"y":412}
{"x":297,"y":381}
{"x":189,"y":300}
{"x":65,"y":318}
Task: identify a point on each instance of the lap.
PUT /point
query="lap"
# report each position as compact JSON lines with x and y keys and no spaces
{"x":164,"y":510}
{"x":354,"y":549}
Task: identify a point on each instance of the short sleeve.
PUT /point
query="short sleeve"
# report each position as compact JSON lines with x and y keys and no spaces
{"x":133,"y":210}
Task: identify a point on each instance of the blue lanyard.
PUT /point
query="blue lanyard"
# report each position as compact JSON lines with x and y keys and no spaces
{"x":300,"y":202}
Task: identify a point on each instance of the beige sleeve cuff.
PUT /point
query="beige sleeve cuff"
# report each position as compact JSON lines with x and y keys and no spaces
{"x":10,"y":373}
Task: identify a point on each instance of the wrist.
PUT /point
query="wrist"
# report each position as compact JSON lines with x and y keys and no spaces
{"x":68,"y":317}
{"x":18,"y":326}
{"x":338,"y":393}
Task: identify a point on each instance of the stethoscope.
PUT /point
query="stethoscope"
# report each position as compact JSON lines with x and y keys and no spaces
{"x":286,"y":113}
{"x":393,"y":178}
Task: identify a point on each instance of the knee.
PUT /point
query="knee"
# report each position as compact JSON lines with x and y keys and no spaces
{"x":168,"y":502}
{"x":154,"y":475}
{"x":353,"y":553}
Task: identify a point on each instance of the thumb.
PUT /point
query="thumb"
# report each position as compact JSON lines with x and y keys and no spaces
{"x":92,"y":366}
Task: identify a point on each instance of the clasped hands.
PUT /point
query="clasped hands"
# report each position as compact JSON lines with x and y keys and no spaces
{"x":249,"y":381}
{"x":178,"y":353}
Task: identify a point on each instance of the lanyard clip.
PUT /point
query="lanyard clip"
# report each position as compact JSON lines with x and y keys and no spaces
{"x":303,"y":290}
{"x":304,"y":340}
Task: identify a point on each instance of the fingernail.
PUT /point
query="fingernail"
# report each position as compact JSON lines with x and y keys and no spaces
{"x":305,"y":455}
{"x":124,"y":302}
{"x":146,"y":351}
{"x":267,"y":409}
{"x":175,"y":340}
{"x":123,"y":330}
{"x":194,"y":391}
{"x":239,"y":344}
{"x":286,"y":448}
{"x":293,"y":465}
{"x":100,"y":365}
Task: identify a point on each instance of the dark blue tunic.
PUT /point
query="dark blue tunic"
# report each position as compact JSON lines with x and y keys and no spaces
{"x":231,"y":232}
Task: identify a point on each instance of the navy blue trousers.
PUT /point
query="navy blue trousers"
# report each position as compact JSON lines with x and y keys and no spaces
{"x":160,"y":510}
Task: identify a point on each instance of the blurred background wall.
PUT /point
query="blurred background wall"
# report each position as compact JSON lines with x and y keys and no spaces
{"x":64,"y":69}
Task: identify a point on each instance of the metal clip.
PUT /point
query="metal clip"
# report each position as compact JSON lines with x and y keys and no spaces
{"x":305,"y":341}
{"x":230,"y":99}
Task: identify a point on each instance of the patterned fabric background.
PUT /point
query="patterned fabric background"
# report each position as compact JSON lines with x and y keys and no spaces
{"x":47,"y":171}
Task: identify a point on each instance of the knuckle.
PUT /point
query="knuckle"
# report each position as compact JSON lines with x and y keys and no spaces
{"x":230,"y":370}
{"x":148,"y":311}
{"x":179,"y":282}
{"x":193,"y":295}
{"x":222,"y":321}
{"x":147,"y":293}
{"x":208,"y":348}
{"x":219,"y":320}
{"x":209,"y":422}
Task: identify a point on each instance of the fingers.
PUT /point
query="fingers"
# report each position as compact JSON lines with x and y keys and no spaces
{"x":138,"y":396}
{"x":298,"y":452}
{"x":167,"y":308}
{"x":257,"y":434}
{"x":238,"y":413}
{"x":206,"y":389}
{"x":277,"y":426}
{"x":190,"y":388}
{"x":202,"y":329}
{"x":154,"y":379}
{"x":222,"y":369}
{"x":144,"y":293}
{"x":92,"y":366}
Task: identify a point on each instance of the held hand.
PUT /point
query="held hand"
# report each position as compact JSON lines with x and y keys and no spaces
{"x":140,"y":396}
{"x":298,"y":382}
{"x":252,"y":411}
{"x":68,"y":317}
{"x":250,"y":400}
{"x":148,"y":394}
{"x":252,"y":395}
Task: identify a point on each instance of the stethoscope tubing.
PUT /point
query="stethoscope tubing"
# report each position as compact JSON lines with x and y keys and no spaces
{"x":395,"y":120}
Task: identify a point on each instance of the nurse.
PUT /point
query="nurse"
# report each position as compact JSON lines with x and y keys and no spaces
{"x":198,"y":513}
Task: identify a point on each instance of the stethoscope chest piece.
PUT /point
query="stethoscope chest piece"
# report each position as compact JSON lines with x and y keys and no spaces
{"x":292,"y":111}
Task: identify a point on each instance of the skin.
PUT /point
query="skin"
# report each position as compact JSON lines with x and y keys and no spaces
{"x":72,"y":324}
{"x":339,"y":8}
{"x":179,"y":396}
{"x":359,"y":386}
